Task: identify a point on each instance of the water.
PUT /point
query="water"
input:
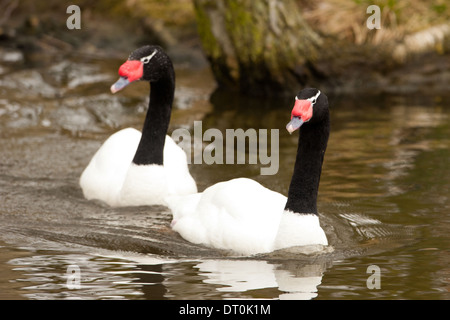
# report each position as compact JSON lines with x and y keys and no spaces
{"x":383,"y":196}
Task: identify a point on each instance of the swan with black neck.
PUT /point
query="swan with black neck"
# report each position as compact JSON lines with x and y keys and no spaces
{"x":243,"y":216}
{"x":133,"y":168}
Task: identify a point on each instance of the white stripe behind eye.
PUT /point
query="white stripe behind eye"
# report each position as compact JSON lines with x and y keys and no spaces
{"x":314,"y":99}
{"x":148,"y":58}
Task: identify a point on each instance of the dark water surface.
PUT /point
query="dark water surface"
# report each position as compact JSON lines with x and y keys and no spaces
{"x":384,"y":194}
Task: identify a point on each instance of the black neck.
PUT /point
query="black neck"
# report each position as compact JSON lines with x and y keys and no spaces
{"x":151,"y":146}
{"x":312,"y":143}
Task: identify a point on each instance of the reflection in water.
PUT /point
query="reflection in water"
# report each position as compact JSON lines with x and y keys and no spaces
{"x":44,"y":276}
{"x":249,"y":275}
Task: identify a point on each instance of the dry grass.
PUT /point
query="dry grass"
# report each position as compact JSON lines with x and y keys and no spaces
{"x":346,"y":19}
{"x":173,"y":12}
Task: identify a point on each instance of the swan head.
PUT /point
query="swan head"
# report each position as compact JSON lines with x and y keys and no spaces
{"x":308,"y":102}
{"x":149,"y":63}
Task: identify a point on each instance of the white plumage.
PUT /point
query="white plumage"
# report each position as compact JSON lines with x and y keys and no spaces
{"x":113,"y":178}
{"x":243,"y":216}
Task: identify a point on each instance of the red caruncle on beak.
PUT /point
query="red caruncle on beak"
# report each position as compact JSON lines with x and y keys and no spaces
{"x":303,"y":109}
{"x":132,"y":69}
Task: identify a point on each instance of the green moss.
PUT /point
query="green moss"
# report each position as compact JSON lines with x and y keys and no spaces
{"x":440,"y":8}
{"x":209,"y":42}
{"x":245,"y":30}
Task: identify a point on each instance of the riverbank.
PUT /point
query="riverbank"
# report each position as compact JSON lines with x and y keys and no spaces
{"x":404,"y":56}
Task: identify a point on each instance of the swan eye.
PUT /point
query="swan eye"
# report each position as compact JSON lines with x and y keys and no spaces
{"x":147,"y":59}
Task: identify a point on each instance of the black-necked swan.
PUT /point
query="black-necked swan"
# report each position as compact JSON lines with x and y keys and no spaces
{"x":133,"y":168}
{"x":243,"y":216}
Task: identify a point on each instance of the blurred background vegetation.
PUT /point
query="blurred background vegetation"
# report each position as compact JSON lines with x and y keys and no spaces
{"x":409,"y":52}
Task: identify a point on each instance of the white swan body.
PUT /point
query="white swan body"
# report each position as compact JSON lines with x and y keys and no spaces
{"x":243,"y":216}
{"x":113,"y":178}
{"x":134,"y":168}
